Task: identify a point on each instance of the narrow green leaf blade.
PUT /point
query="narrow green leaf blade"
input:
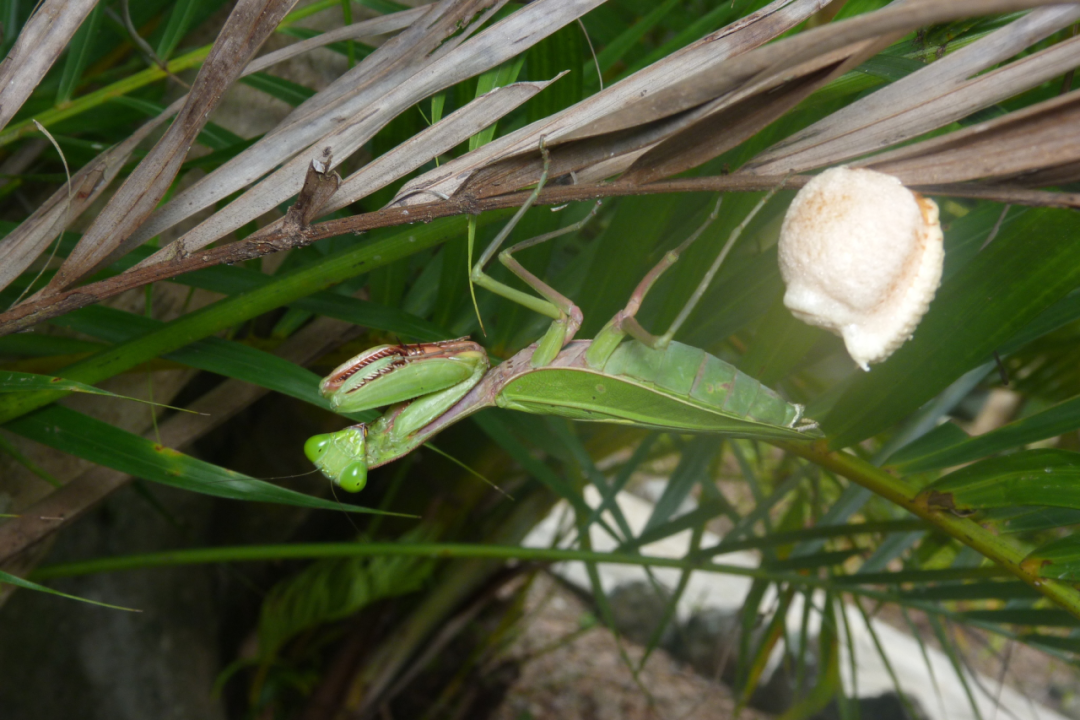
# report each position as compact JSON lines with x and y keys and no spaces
{"x":9,"y":579}
{"x":228,"y":312}
{"x":180,"y":21}
{"x":1051,"y":422}
{"x":939,"y":441}
{"x":224,"y":357}
{"x":72,"y":432}
{"x":292,"y":93}
{"x":488,"y":422}
{"x":1031,"y":477}
{"x":693,"y":466}
{"x":1030,"y":520}
{"x":12,"y":381}
{"x":1051,"y":643}
{"x":79,"y":54}
{"x":971,"y":591}
{"x":1034,"y":617}
{"x":1059,"y":560}
{"x":631,"y":37}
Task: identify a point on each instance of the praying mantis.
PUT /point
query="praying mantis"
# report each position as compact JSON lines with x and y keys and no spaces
{"x":643,"y":380}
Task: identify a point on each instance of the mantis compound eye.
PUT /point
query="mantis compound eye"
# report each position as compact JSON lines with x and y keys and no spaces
{"x":354,"y":477}
{"x":861,"y":256}
{"x":316,"y":447}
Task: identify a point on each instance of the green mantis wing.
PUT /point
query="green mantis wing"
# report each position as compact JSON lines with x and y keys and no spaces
{"x":681,"y":388}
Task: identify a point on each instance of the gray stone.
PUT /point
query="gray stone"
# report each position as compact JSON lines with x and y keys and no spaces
{"x":65,"y":659}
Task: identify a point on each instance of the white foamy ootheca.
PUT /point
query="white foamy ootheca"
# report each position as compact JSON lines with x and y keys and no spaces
{"x":861,"y":256}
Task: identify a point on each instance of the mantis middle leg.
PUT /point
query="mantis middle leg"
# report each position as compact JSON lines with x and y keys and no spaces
{"x":566,"y":316}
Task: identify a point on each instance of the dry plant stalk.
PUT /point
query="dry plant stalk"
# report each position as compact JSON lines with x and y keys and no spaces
{"x":248,"y":26}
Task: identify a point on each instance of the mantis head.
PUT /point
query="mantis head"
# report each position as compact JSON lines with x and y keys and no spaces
{"x":420,"y":383}
{"x":341,"y":456}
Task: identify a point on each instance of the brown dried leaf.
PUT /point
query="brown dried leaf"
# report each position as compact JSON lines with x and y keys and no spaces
{"x":42,"y":39}
{"x":1037,"y":137}
{"x":704,"y":83}
{"x":20,"y":247}
{"x":427,"y":75}
{"x":431,"y":142}
{"x":368,"y":28}
{"x":346,"y":101}
{"x":1052,"y":175}
{"x":320,"y":184}
{"x":728,"y":121}
{"x":33,"y":236}
{"x":419,"y":149}
{"x":937,"y":95}
{"x":512,"y":161}
{"x":248,"y":25}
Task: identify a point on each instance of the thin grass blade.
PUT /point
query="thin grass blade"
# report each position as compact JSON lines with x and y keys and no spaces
{"x":99,"y":442}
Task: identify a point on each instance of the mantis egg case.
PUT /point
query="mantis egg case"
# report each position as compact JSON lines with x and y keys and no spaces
{"x":861,"y":256}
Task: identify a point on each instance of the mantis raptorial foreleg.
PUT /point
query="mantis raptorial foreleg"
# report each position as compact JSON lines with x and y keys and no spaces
{"x":565,"y":314}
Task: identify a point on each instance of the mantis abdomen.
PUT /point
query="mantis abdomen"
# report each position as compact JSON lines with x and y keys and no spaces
{"x":678,"y":388}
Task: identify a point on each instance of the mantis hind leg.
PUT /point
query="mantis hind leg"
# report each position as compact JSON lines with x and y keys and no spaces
{"x":625,"y":321}
{"x":565,"y":315}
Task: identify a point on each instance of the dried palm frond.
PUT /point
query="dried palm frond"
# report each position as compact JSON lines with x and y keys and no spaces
{"x":665,"y":119}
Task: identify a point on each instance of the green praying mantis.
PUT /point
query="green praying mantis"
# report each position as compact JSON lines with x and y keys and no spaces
{"x":645,"y":380}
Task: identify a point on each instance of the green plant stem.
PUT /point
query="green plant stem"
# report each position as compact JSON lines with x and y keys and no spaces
{"x":503,"y":552}
{"x":472,"y":551}
{"x":232,"y":310}
{"x":966,"y":530}
{"x":434,"y":550}
{"x":71,"y":108}
{"x":83,"y":103}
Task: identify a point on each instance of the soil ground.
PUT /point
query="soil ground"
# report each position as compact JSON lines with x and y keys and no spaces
{"x":575,"y":674}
